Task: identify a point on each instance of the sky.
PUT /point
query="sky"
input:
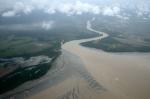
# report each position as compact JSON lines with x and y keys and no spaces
{"x":114,"y":8}
{"x":10,"y":8}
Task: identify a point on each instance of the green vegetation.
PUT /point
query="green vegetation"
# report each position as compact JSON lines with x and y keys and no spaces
{"x":32,"y":43}
{"x":20,"y":46}
{"x":13,"y":46}
{"x":112,"y":44}
{"x":21,"y":75}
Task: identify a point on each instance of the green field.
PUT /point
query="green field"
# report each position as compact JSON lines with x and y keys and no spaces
{"x":23,"y":46}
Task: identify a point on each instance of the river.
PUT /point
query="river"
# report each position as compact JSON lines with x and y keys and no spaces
{"x":88,"y":73}
{"x":124,"y":75}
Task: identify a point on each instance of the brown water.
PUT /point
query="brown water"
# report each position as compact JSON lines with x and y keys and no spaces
{"x":107,"y":75}
{"x":126,"y":75}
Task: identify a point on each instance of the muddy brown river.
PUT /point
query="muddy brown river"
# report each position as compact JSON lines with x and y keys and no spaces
{"x":88,"y":73}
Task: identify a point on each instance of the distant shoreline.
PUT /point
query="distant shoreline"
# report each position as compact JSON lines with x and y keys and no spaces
{"x":110,"y":44}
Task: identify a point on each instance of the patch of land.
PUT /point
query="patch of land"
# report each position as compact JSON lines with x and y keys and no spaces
{"x":23,"y":71}
{"x":21,"y":51}
{"x":15,"y":46}
{"x":116,"y":44}
{"x":124,"y":35}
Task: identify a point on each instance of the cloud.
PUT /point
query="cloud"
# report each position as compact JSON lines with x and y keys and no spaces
{"x":69,"y":8}
{"x":50,"y":10}
{"x":72,"y":7}
{"x":9,"y":14}
{"x":77,"y":7}
{"x":47,"y":25}
{"x":142,"y":10}
{"x":111,"y":11}
{"x":30,"y":26}
{"x":81,"y":7}
{"x":122,"y":17}
{"x":19,"y":7}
